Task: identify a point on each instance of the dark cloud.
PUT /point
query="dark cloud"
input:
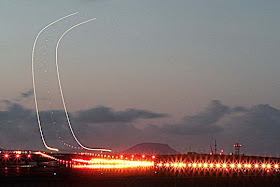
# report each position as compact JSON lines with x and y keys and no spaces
{"x":27,"y":93}
{"x":239,"y":109}
{"x":203,"y":122}
{"x":19,"y":128}
{"x":257,"y":128}
{"x":14,"y":112}
{"x":20,"y":98}
{"x":108,"y":115}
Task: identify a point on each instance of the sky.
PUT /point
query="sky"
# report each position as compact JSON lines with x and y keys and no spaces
{"x":199,"y":70}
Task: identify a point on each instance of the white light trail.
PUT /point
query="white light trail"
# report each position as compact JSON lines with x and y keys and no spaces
{"x":45,"y":155}
{"x":33,"y":81}
{"x":61,"y":92}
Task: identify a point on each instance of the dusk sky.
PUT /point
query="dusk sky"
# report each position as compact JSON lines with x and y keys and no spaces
{"x":182,"y":72}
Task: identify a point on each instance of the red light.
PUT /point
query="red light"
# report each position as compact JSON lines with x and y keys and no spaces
{"x":17,"y":156}
{"x":143,"y":156}
{"x":28,"y":156}
{"x":153,"y":157}
{"x":6,"y":156}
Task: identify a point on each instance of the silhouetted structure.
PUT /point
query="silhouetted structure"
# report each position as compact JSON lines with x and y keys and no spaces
{"x":237,"y":148}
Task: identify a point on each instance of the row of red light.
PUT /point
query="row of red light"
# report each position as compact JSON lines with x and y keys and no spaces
{"x":64,"y":161}
{"x":218,"y":165}
{"x":71,"y":146}
{"x":179,"y":165}
{"x":7,"y":156}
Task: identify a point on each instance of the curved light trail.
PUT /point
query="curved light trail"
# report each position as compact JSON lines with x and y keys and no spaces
{"x":61,"y":92}
{"x":33,"y":82}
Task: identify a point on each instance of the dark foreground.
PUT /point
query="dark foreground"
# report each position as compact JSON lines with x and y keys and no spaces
{"x":78,"y":177}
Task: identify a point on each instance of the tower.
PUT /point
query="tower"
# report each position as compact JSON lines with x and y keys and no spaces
{"x":215,"y":147}
{"x":237,"y":148}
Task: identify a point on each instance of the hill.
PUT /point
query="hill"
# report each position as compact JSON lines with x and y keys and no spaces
{"x":150,"y":149}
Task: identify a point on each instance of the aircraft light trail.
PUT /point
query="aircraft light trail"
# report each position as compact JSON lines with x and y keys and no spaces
{"x":61,"y":92}
{"x":34,"y":85}
{"x":60,"y":86}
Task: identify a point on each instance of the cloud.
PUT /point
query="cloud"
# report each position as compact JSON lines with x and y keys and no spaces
{"x":26,"y":94}
{"x":19,"y":128}
{"x":239,"y":109}
{"x":108,"y":115}
{"x":22,"y":95}
{"x":204,"y":122}
{"x":257,"y":128}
